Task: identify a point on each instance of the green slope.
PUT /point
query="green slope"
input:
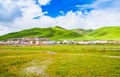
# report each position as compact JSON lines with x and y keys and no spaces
{"x":82,"y":31}
{"x":58,"y":33}
{"x":106,"y":33}
{"x":54,"y":33}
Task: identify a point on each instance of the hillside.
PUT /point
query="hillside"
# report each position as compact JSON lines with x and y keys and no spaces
{"x":106,"y":33}
{"x":82,"y":31}
{"x":54,"y":33}
{"x":59,"y":33}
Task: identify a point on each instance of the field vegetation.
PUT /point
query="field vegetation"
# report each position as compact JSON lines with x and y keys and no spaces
{"x":60,"y":61}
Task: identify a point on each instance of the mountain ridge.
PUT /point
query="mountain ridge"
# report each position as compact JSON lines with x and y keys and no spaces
{"x":54,"y":33}
{"x":59,"y":33}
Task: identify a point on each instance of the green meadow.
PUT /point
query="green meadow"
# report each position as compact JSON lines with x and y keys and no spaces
{"x":59,"y":33}
{"x":60,"y":61}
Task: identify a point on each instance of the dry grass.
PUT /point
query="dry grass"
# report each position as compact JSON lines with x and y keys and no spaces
{"x":60,"y":61}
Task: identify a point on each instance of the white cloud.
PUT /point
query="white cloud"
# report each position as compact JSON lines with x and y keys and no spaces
{"x":44,"y":2}
{"x":8,"y":11}
{"x":102,"y":4}
{"x":29,"y":12}
{"x":28,"y":9}
{"x":109,"y":16}
{"x":4,"y":30}
{"x":105,"y":13}
{"x":97,"y":4}
{"x":100,"y":18}
{"x":70,"y":20}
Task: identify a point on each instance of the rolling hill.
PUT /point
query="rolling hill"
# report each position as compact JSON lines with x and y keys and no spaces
{"x":59,"y":33}
{"x":82,"y":31}
{"x":54,"y":33}
{"x":106,"y":33}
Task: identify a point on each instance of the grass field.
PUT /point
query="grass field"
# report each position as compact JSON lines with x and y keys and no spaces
{"x":60,"y":61}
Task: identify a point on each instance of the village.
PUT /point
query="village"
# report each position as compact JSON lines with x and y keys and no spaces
{"x":46,"y":41}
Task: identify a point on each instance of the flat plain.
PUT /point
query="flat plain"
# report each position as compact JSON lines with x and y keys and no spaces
{"x":60,"y":61}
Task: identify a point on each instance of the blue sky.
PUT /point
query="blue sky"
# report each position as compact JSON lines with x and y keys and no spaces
{"x":56,"y":6}
{"x":16,"y":15}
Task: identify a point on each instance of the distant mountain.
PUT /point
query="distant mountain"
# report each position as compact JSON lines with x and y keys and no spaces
{"x":106,"y":33}
{"x":54,"y":33}
{"x":82,"y":31}
{"x":59,"y":33}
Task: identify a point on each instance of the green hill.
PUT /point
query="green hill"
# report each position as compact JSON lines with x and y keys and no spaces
{"x":106,"y":33}
{"x":54,"y":33}
{"x":82,"y":31}
{"x":59,"y":33}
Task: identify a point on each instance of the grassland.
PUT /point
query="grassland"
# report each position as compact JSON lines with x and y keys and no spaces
{"x":106,"y":33}
{"x":60,"y":61}
{"x":54,"y":33}
{"x":59,"y":33}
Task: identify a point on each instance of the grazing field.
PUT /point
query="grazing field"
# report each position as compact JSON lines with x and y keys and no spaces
{"x":60,"y":61}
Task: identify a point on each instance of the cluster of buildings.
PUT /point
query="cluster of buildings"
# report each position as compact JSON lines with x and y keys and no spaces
{"x":84,"y":42}
{"x":24,"y":41}
{"x":46,"y":41}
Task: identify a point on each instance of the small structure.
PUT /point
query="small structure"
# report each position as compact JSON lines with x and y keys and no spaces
{"x":68,"y":42}
{"x":50,"y":42}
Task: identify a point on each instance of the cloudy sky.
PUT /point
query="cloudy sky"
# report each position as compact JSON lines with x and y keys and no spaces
{"x":16,"y":15}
